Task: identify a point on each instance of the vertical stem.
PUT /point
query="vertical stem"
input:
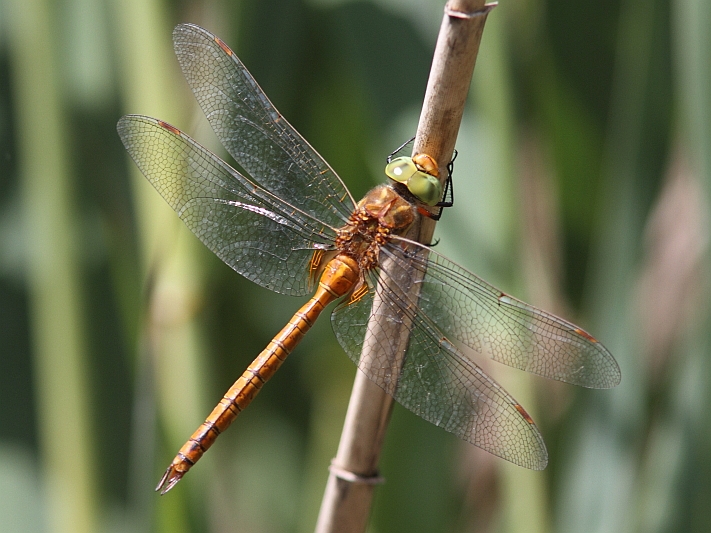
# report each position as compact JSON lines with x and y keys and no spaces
{"x":354,"y":472}
{"x":53,"y":274}
{"x":599,"y":449}
{"x":171,"y":342}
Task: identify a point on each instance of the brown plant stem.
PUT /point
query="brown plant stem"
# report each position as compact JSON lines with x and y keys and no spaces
{"x":354,"y":472}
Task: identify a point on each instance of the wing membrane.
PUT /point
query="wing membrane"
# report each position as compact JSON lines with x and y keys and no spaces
{"x":431,"y":377}
{"x":466,"y":308}
{"x":258,"y":235}
{"x":254,"y":132}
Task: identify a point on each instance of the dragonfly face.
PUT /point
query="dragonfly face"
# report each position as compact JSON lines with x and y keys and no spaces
{"x":423,"y":184}
{"x":291,"y":217}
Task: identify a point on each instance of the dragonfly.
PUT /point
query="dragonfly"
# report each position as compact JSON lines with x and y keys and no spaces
{"x":288,"y":223}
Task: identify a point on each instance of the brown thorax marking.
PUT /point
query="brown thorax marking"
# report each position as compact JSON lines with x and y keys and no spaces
{"x":381,"y":213}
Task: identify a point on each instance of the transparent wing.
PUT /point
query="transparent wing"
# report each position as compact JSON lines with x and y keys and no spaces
{"x":254,"y":132}
{"x":466,"y":308}
{"x":258,"y":235}
{"x":430,"y":377}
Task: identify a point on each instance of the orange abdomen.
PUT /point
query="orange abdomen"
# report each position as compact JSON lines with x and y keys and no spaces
{"x":338,"y":278}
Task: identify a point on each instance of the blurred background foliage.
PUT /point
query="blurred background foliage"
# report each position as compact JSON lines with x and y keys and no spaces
{"x":582,"y":186}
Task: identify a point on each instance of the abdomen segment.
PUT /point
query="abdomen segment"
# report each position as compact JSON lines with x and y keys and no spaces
{"x":339,"y":278}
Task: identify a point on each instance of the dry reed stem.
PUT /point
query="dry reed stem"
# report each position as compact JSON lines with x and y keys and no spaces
{"x":354,"y":472}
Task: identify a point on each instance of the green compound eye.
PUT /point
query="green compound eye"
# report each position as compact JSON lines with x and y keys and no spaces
{"x":427,"y":188}
{"x":404,"y":170}
{"x":401,"y":169}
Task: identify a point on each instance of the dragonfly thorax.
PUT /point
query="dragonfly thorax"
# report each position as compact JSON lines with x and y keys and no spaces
{"x":388,"y":208}
{"x":380,"y":214}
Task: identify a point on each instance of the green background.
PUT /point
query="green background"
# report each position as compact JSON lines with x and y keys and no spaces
{"x":582,"y":186}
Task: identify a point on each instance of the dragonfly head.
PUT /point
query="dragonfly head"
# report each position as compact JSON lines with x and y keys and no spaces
{"x":419,"y":175}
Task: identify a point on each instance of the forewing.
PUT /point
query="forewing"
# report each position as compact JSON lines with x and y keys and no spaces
{"x":254,"y":132}
{"x":430,"y":377}
{"x":258,"y":235}
{"x":466,"y":308}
